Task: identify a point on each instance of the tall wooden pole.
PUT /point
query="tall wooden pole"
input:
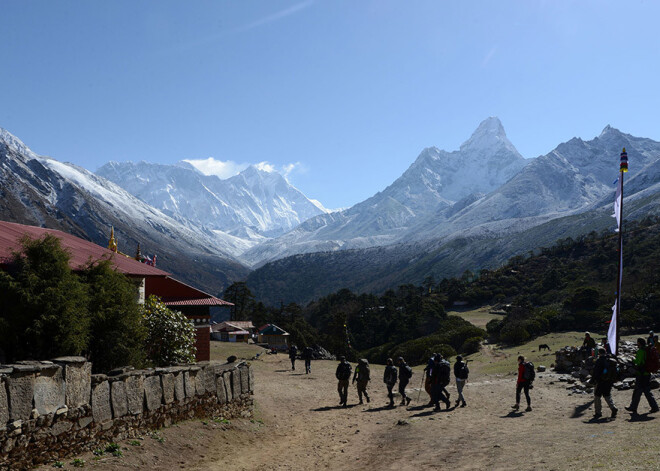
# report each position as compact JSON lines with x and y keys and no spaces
{"x":618,"y":273}
{"x":622,"y":169}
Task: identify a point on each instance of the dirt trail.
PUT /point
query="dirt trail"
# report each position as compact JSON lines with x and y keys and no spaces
{"x":298,"y":425}
{"x":303,"y":428}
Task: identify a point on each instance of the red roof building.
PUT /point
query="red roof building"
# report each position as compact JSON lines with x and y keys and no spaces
{"x":195,"y":304}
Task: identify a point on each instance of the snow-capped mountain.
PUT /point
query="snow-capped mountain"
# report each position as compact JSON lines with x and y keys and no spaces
{"x":434,"y":182}
{"x":253,"y":205}
{"x":42,"y":191}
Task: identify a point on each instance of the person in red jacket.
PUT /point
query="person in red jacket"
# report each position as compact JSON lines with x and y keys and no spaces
{"x":522,"y":385}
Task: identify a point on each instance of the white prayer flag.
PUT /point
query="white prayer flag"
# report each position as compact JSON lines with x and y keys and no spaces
{"x":617,"y":203}
{"x":611,"y":332}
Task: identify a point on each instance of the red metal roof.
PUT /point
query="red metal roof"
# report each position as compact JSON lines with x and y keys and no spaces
{"x":175,"y":293}
{"x":81,"y":251}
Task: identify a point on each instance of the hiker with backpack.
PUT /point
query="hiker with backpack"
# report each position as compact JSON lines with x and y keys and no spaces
{"x":389,"y":378}
{"x":461,"y":373}
{"x":293,"y":351}
{"x":440,"y":374}
{"x":307,"y":355}
{"x":405,"y":373}
{"x":343,"y":375}
{"x":526,"y":375}
{"x":362,"y":375}
{"x":427,"y":378}
{"x":604,"y":375}
{"x":646,"y":362}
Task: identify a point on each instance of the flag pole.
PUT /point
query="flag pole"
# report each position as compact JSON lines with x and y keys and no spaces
{"x":623,"y":168}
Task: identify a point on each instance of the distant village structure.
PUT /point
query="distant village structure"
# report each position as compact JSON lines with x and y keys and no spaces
{"x":194,"y":304}
{"x":232,"y":331}
{"x":273,"y":336}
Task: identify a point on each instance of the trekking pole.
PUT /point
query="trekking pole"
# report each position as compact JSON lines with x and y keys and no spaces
{"x":419,"y":393}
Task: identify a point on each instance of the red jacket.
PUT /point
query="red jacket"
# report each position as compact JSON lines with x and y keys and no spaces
{"x":521,"y":373}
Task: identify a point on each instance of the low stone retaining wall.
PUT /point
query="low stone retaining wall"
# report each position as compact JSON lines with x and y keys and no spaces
{"x":53,"y":409}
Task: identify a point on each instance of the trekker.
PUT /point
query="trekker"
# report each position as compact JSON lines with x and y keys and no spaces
{"x":405,"y":373}
{"x":604,"y":375}
{"x":525,"y":379}
{"x":362,"y":375}
{"x":293,"y":351}
{"x":427,"y":378}
{"x":650,"y":341}
{"x":642,"y":380}
{"x":439,"y":379}
{"x":343,"y":375}
{"x":389,"y":378}
{"x":461,"y":373}
{"x":589,"y":344}
{"x":307,"y":355}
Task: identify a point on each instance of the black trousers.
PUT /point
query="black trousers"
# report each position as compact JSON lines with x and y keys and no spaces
{"x":520,"y":387}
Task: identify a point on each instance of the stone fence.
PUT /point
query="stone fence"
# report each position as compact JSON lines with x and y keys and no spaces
{"x":53,"y":409}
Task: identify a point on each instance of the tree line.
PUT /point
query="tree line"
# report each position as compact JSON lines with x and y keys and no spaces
{"x":48,"y":310}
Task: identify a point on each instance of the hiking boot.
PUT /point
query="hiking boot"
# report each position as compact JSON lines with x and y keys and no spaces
{"x":436,"y":409}
{"x":597,"y":415}
{"x":464,"y":404}
{"x":458,"y":401}
{"x":360,"y":402}
{"x":529,"y":409}
{"x":448,"y":404}
{"x":515,"y":407}
{"x":613,"y":416}
{"x":403,"y":403}
{"x":408,"y":401}
{"x":368,"y":400}
{"x":630,"y":409}
{"x":655,"y":409}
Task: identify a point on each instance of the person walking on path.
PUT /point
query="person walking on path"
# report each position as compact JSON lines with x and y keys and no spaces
{"x":343,"y":375}
{"x":461,"y":373}
{"x":427,"y":378}
{"x":650,"y":341}
{"x":389,"y":378}
{"x":293,"y":351}
{"x":362,"y":375}
{"x":439,"y":379}
{"x":642,"y":380}
{"x":524,"y":382}
{"x":307,"y":355}
{"x":405,"y":373}
{"x":604,"y":375}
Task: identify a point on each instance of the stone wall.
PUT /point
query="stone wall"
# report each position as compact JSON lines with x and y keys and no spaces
{"x":53,"y":409}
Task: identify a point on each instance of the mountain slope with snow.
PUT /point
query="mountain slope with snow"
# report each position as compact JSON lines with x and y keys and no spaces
{"x":253,"y":205}
{"x":42,"y":191}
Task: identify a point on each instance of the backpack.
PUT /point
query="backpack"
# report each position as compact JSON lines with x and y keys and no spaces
{"x":406,"y":372}
{"x":529,"y":374}
{"x":463,"y":371}
{"x":652,"y":363}
{"x":611,"y":370}
{"x":445,"y":372}
{"x":344,"y":371}
{"x":363,"y":371}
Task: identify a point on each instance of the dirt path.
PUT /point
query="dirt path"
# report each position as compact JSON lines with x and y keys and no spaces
{"x":297,"y":425}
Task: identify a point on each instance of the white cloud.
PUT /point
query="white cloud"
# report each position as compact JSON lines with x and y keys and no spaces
{"x":222,"y":169}
{"x":228,"y":168}
{"x":276,"y":16}
{"x":265,"y":167}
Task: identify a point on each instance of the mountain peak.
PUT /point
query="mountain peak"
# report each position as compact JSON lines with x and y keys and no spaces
{"x":490,"y":133}
{"x":15,"y":143}
{"x":609,"y":130}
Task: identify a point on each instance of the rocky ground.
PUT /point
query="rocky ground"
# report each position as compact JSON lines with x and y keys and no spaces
{"x":297,"y":425}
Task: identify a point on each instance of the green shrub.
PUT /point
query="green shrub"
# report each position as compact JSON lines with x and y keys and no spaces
{"x":170,"y":335}
{"x":471,"y":345}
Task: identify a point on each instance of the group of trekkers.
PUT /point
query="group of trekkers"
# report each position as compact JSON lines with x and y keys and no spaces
{"x":437,"y":374}
{"x":436,"y":378}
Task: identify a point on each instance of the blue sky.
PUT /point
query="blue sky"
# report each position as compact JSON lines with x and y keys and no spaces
{"x":340,"y":95}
